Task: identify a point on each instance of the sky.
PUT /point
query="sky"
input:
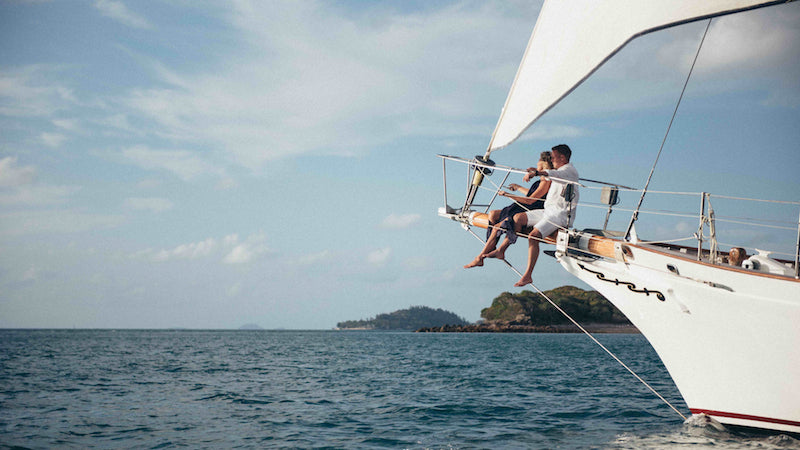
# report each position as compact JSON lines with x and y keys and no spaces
{"x":201,"y":164}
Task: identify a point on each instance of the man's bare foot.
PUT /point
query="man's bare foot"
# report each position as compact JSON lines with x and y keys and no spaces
{"x":524,"y":281}
{"x":477,"y":262}
{"x":496,"y":254}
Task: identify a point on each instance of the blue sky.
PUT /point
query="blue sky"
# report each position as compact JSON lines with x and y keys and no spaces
{"x":211,"y":164}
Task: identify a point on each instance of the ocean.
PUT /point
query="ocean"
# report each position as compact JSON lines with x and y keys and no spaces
{"x":340,"y":389}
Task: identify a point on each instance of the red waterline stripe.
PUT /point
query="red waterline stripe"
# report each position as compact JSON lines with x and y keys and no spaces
{"x":744,"y":416}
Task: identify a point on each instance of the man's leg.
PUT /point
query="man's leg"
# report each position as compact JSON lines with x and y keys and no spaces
{"x":533,"y":256}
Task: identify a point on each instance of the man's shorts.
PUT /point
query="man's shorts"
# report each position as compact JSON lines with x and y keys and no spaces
{"x":545,"y":224}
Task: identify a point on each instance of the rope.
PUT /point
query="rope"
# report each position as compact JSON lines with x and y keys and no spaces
{"x":610,"y":353}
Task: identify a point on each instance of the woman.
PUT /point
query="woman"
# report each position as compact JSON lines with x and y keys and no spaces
{"x":502,"y":220}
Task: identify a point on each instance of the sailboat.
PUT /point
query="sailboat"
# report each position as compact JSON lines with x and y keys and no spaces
{"x":728,"y":334}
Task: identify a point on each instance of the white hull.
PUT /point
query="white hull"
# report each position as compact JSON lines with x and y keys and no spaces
{"x":729,"y":338}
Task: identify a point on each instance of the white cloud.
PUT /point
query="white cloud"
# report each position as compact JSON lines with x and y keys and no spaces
{"x":231,"y":240}
{"x":551,"y":132}
{"x":761,"y":47}
{"x":55,"y":221}
{"x":741,"y":52}
{"x":314,"y":258}
{"x":240,"y":254}
{"x":235,"y":252}
{"x":743,"y":41}
{"x":36,"y":195}
{"x":380,"y":256}
{"x":149,"y":183}
{"x":247,"y":251}
{"x":66,"y":124}
{"x":356,"y":80}
{"x":400,"y":220}
{"x":118,"y":122}
{"x":181,"y":163}
{"x":153,"y":204}
{"x":118,"y":11}
{"x":192,"y":250}
{"x":52,"y":139}
{"x":361,"y":78}
{"x":12,"y":175}
{"x":18,"y":186}
{"x":33,"y":91}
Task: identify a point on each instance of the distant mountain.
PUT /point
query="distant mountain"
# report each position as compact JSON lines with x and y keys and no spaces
{"x":410,"y":319}
{"x":250,"y":326}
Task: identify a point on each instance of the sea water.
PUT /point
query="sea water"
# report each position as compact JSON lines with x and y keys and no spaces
{"x":339,"y":389}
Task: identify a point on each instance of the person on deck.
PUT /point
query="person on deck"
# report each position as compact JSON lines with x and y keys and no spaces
{"x":736,"y":255}
{"x":502,"y":220}
{"x":558,"y":212}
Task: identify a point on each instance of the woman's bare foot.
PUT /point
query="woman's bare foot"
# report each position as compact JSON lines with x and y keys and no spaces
{"x":524,"y":281}
{"x":477,"y":262}
{"x":496,"y":254}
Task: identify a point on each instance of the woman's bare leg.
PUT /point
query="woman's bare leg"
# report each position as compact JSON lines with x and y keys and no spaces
{"x":491,"y":243}
{"x":520,"y":221}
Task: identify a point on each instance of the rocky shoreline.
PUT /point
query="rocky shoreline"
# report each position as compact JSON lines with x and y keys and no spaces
{"x":523,"y":328}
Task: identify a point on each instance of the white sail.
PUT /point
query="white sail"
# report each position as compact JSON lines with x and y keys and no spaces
{"x":573,"y":38}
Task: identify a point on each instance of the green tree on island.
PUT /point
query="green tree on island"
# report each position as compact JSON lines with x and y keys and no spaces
{"x":533,"y":309}
{"x":413,"y":318}
{"x":521,"y":312}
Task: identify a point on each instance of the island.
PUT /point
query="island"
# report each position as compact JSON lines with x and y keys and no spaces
{"x":413,"y":318}
{"x":523,"y":312}
{"x":530,"y":312}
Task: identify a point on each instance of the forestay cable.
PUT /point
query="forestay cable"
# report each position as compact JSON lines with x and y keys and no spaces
{"x":669,"y":127}
{"x":564,"y":313}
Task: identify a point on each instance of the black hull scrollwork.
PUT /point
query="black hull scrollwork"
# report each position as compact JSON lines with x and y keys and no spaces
{"x":631,"y":287}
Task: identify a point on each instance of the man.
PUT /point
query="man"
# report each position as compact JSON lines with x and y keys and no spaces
{"x":558,"y":211}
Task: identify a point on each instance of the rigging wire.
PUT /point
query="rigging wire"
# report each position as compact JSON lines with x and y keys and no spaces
{"x":747,"y":221}
{"x":498,"y":187}
{"x":761,"y":222}
{"x":610,"y":353}
{"x":674,"y":113}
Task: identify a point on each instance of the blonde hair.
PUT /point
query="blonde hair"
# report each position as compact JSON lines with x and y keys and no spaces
{"x":547,"y":159}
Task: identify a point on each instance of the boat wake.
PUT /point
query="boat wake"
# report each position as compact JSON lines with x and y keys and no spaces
{"x":702,"y":430}
{"x":704,"y":421}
